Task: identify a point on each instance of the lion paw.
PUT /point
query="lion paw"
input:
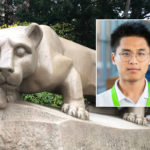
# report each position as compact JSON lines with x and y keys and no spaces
{"x":75,"y":111}
{"x":135,"y":118}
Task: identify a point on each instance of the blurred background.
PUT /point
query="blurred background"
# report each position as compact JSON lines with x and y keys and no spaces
{"x":72,"y":19}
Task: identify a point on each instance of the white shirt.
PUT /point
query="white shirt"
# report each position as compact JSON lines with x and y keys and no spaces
{"x":105,"y":99}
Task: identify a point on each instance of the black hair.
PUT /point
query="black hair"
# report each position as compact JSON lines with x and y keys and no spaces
{"x":132,"y":28}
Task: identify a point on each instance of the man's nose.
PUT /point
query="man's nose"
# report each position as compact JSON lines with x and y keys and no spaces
{"x":133,"y":59}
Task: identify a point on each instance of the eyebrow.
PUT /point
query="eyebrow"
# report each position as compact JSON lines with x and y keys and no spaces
{"x":141,"y":49}
{"x":128,"y":50}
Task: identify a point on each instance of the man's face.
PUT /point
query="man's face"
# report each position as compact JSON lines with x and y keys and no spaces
{"x":128,"y":58}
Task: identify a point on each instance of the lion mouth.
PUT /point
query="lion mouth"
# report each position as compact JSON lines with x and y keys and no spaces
{"x":7,"y":85}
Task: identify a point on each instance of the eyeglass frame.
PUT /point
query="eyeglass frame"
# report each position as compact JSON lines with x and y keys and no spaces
{"x":131,"y":56}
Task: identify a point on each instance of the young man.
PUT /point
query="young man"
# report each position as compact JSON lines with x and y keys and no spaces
{"x":131,"y":54}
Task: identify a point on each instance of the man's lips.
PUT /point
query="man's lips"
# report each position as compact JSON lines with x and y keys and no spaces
{"x":133,"y":69}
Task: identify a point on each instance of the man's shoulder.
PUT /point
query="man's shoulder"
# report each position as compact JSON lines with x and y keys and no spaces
{"x":104,"y":99}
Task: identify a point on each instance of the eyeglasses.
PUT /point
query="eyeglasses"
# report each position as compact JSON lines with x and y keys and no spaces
{"x":140,"y":56}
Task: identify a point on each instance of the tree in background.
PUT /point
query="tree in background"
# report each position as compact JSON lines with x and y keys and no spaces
{"x":126,"y":12}
{"x":9,"y":8}
{"x":80,"y":14}
{"x":140,"y":9}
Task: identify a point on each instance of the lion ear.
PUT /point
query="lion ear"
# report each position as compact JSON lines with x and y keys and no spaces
{"x":35,"y":33}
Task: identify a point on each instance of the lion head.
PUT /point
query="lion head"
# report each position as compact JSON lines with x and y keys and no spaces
{"x":18,"y":54}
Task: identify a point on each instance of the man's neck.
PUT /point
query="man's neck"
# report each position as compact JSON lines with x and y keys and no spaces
{"x":132,"y":89}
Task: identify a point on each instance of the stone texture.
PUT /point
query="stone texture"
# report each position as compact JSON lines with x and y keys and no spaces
{"x":26,"y":126}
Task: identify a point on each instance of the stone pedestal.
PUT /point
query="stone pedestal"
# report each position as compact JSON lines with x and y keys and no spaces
{"x":25,"y":126}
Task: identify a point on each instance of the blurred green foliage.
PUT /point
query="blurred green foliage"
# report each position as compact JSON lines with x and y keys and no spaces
{"x":47,"y":99}
{"x":14,"y":25}
{"x":44,"y":98}
{"x":64,"y":30}
{"x":81,"y":14}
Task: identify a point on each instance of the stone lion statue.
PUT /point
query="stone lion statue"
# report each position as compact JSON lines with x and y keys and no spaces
{"x":34,"y":59}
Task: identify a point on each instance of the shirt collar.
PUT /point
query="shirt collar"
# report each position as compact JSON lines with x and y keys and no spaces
{"x":121,"y":96}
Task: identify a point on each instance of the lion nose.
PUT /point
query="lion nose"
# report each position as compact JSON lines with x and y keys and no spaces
{"x":6,"y":71}
{"x":6,"y":59}
{"x":6,"y":66}
{"x":9,"y":70}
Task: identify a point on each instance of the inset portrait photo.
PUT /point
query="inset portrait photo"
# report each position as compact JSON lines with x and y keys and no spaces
{"x":123,"y":58}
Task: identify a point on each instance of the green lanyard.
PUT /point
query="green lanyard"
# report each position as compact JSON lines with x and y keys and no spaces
{"x":115,"y":98}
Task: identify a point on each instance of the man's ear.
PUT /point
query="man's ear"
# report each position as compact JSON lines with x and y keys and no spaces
{"x":113,"y":58}
{"x":35,"y":33}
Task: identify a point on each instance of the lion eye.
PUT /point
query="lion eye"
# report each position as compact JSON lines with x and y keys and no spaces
{"x":20,"y":51}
